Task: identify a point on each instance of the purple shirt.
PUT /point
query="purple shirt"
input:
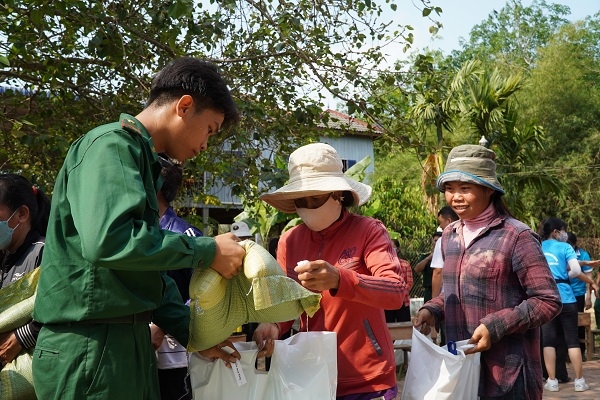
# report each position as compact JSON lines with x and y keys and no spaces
{"x":171,"y":222}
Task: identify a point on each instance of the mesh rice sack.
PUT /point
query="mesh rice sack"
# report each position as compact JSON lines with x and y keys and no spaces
{"x":16,"y":378}
{"x":16,"y":301}
{"x":263,"y":293}
{"x":16,"y":307}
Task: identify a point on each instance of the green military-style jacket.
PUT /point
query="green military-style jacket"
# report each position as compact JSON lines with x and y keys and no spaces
{"x":104,"y":249}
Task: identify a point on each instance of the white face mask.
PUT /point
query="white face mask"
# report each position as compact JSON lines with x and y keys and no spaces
{"x":562,"y":236}
{"x":320,"y":218}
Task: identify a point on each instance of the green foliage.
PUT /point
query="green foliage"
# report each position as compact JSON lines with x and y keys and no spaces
{"x":402,"y":210}
{"x":396,"y":199}
{"x":529,"y":82}
{"x":565,"y":86}
{"x":82,"y":63}
{"x":486,"y":99}
{"x":511,"y":37}
{"x":358,"y":170}
{"x":563,"y":94}
{"x":403,"y":166}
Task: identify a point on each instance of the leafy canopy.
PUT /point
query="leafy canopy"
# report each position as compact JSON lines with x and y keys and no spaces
{"x":79,"y":63}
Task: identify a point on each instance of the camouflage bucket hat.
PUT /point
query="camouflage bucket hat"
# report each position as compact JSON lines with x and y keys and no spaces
{"x":470,"y":163}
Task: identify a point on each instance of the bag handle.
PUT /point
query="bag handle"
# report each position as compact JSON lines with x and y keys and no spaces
{"x":452,"y":347}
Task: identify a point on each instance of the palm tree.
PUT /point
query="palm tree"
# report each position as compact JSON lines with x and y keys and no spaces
{"x":488,"y":106}
{"x":436,"y":106}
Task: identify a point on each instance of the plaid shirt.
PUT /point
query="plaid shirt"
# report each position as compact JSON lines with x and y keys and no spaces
{"x":501,"y":280}
{"x":406,"y":273}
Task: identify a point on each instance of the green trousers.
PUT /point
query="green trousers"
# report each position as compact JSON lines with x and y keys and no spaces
{"x":95,"y":361}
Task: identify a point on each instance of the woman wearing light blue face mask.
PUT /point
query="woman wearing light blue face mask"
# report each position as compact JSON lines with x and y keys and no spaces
{"x":24,"y":212}
{"x":564,"y":265}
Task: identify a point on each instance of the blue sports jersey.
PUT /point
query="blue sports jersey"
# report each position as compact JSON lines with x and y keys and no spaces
{"x":558,"y":255}
{"x":580,"y":287}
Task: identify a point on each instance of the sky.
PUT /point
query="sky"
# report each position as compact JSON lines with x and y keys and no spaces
{"x":459,"y":16}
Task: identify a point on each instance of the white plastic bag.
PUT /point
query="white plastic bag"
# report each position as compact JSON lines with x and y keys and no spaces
{"x":436,"y":374}
{"x":303,"y":367}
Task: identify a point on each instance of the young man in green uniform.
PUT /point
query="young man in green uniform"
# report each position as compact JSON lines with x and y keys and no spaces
{"x":101,"y":281}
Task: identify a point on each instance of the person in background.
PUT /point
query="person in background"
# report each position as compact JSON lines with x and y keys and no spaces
{"x":564,"y":265}
{"x":172,"y":359}
{"x":561,"y":373}
{"x":582,"y":292}
{"x":597,"y":304}
{"x":403,"y":313}
{"x":446,"y":216}
{"x":101,"y":283}
{"x":498,"y":289}
{"x":24,"y":212}
{"x":350,"y":260}
{"x":582,"y":287}
{"x":424,"y":267}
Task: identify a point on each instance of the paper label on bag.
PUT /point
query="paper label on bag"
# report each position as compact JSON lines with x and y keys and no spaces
{"x":238,"y":373}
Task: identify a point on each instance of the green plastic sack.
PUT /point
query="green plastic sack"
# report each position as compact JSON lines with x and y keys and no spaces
{"x":16,"y":308}
{"x":263,"y":293}
{"x":16,"y":378}
{"x":16,"y":301}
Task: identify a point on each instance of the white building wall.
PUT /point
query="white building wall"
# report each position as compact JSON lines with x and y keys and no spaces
{"x":353,"y":147}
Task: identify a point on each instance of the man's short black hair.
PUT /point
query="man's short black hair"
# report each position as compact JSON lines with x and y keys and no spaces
{"x":448,"y":212}
{"x":198,"y":78}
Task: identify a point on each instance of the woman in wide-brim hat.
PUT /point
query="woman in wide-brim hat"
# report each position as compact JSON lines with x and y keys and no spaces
{"x":350,"y":260}
{"x":497,"y":287}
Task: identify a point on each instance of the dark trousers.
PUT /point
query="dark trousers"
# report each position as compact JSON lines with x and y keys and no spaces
{"x":442,"y":333}
{"x":426,"y":294}
{"x":597,"y":312}
{"x":174,"y":384}
{"x":561,"y":358}
{"x":400,"y":315}
{"x":581,"y":329}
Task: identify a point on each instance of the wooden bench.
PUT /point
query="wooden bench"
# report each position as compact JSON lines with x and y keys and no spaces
{"x":237,"y":337}
{"x":585,"y":320}
{"x":401,"y":331}
{"x":595,"y":332}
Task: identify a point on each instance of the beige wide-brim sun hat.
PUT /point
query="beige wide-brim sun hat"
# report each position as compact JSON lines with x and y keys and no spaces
{"x":315,"y":169}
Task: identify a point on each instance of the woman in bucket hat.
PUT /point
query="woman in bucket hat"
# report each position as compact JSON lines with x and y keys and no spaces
{"x":498,"y":289}
{"x":350,"y":260}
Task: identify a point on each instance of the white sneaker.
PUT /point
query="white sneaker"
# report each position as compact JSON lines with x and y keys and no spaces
{"x":552,"y":385}
{"x":580,"y":385}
